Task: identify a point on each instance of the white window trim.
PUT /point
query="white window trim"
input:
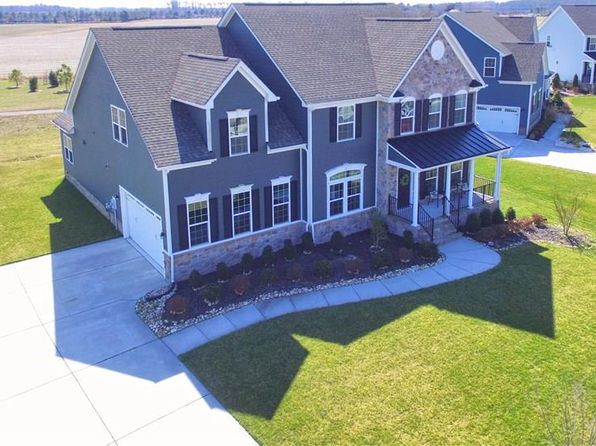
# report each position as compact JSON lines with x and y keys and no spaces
{"x":337,"y":123}
{"x":484,"y":67}
{"x":197,"y":198}
{"x":120,"y":126}
{"x":67,"y":148}
{"x":238,"y":190}
{"x":277,"y":182}
{"x":348,"y":166}
{"x":465,"y":93}
{"x":460,"y":171}
{"x":413,"y":100}
{"x":436,"y":177}
{"x":440,"y":113}
{"x":591,"y":40}
{"x":240,"y":113}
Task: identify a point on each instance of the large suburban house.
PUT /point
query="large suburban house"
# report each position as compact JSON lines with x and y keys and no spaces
{"x":203,"y":143}
{"x":570,"y":36}
{"x":504,"y":50}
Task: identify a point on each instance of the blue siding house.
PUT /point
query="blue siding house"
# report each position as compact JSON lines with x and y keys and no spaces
{"x":202,"y":143}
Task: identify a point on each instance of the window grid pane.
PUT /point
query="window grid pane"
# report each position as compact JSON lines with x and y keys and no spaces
{"x":345,"y":193}
{"x":281,"y":203}
{"x":241,"y":209}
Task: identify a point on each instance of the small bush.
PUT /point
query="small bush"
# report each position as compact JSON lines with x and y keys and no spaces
{"x":575,"y":83}
{"x":289,"y":250}
{"x":176,"y":306}
{"x":268,"y":276}
{"x":539,"y":220}
{"x":240,"y":284}
{"x":53,"y":79}
{"x":267,"y":256}
{"x":510,"y":215}
{"x":502,"y":230}
{"x":378,"y":230}
{"x":33,"y":84}
{"x":323,"y":269}
{"x":498,"y":217}
{"x":404,"y":254}
{"x":472,"y":223}
{"x":223,"y":272}
{"x":308,"y":245}
{"x":353,"y":266}
{"x":486,"y":218}
{"x":486,"y":235}
{"x":408,"y":239}
{"x":196,"y":280}
{"x":428,"y":251}
{"x":382,"y":259}
{"x":337,"y":241}
{"x":247,"y":263}
{"x":295,"y":272}
{"x":211,"y":294}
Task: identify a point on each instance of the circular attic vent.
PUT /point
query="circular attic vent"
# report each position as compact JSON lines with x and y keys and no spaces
{"x":437,"y":50}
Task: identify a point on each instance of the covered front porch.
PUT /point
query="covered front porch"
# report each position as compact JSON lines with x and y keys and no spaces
{"x":436,"y":176}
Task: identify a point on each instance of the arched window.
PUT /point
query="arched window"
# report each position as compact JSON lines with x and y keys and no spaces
{"x":408,"y":112}
{"x":344,"y":189}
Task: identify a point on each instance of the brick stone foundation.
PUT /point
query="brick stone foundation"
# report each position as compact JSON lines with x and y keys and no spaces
{"x":349,"y":224}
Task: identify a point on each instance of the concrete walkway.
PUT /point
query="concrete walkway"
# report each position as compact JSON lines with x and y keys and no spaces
{"x":31,"y":112}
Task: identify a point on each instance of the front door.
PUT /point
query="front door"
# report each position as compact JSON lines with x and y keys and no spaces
{"x":403,"y":188}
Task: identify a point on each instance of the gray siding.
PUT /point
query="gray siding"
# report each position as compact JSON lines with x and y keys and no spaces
{"x":101,"y":164}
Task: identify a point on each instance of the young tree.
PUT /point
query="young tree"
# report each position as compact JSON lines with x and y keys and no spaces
{"x":65,"y":76}
{"x":53,"y":79}
{"x":16,"y":76}
{"x":33,"y":84}
{"x":556,"y":82}
{"x":566,"y":211}
{"x":575,"y":82}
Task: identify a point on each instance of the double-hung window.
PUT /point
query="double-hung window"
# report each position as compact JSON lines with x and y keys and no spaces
{"x":239,"y":132}
{"x":490,"y":67}
{"x":457,"y":174}
{"x":198,"y":219}
{"x":67,"y":147}
{"x":344,"y":191}
{"x":591,"y":44}
{"x":408,"y":110}
{"x":119,"y":130}
{"x":434,"y":112}
{"x":346,"y":122}
{"x":280,"y":194}
{"x":459,"y":113}
{"x":431,"y":181}
{"x":241,"y":210}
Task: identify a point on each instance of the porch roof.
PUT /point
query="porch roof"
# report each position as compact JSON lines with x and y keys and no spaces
{"x":426,"y":150}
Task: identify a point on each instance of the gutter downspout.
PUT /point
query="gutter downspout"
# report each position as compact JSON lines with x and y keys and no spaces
{"x":166,"y":201}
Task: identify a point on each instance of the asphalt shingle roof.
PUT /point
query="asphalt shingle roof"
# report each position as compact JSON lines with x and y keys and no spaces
{"x":486,"y":25}
{"x":584,"y":16}
{"x":524,"y":63}
{"x":520,"y":26}
{"x":65,"y":122}
{"x":282,"y":133}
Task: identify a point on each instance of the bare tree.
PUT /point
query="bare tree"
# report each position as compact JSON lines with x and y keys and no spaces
{"x":64,"y":74}
{"x":16,"y":76}
{"x":566,"y":211}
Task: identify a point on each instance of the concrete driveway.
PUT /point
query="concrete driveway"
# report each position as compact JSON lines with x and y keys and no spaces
{"x":80,"y":368}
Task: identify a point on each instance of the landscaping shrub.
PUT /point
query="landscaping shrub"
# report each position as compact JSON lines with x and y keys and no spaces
{"x":176,"y":306}
{"x":486,"y":218}
{"x":247,"y":263}
{"x":337,"y":241}
{"x":404,"y":254}
{"x":378,"y":230}
{"x":211,"y":294}
{"x":382,"y":259}
{"x":575,"y":83}
{"x":353,"y":265}
{"x":53,"y":79}
{"x":295,"y":272}
{"x":289,"y":250}
{"x":223,"y":272}
{"x":502,"y":230}
{"x":267,"y":256}
{"x":485,"y":235}
{"x":408,"y":239}
{"x":539,"y":220}
{"x":268,"y":276}
{"x":428,"y":251}
{"x":510,"y":215}
{"x":498,"y":217}
{"x":196,"y":280}
{"x":323,"y":269}
{"x":33,"y":84}
{"x":308,"y":245}
{"x":240,"y":284}
{"x":472,"y":223}
{"x":556,"y":82}
{"x":567,"y":211}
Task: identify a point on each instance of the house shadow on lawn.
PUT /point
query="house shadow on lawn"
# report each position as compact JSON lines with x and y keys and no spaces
{"x":252,"y":370}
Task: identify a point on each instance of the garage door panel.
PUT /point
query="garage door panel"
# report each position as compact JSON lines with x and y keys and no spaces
{"x":498,"y":118}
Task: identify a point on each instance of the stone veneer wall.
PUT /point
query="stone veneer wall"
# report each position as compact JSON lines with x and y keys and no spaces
{"x":349,"y":224}
{"x":230,"y":251}
{"x":386,"y":174}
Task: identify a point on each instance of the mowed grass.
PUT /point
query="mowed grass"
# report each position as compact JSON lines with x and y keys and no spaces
{"x":40,"y":212}
{"x":530,"y":188}
{"x":18,"y":99}
{"x":584,"y":109}
{"x":464,"y":363}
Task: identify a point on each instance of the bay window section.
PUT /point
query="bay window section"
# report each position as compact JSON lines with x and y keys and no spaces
{"x":408,"y":109}
{"x":346,"y":122}
{"x":434,"y":112}
{"x":344,"y":191}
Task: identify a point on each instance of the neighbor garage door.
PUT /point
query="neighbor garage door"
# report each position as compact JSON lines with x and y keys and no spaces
{"x":143,"y":227}
{"x":497,"y":118}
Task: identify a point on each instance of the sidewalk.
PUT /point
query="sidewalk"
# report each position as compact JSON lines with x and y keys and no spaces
{"x":46,"y":111}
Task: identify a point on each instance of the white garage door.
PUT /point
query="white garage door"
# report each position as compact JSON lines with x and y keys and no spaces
{"x":497,"y":118}
{"x":142,"y":226}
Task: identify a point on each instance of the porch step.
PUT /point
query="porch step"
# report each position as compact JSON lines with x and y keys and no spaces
{"x":445,"y":231}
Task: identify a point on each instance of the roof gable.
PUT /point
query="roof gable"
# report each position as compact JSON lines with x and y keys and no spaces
{"x":523,"y":27}
{"x":584,"y":17}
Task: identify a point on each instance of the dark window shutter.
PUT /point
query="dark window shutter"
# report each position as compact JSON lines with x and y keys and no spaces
{"x":256,"y":210}
{"x":268,"y":203}
{"x":294,"y":197}
{"x":444,"y":111}
{"x":224,"y":143}
{"x":451,"y":111}
{"x":418,"y":115}
{"x":397,"y":119}
{"x":254,"y":134}
{"x":421,"y":186}
{"x":358,"y":120}
{"x":470,"y":108}
{"x":227,"y":216}
{"x":333,"y":124}
{"x":442,"y":171}
{"x":466,"y":171}
{"x":182,"y":227}
{"x":213,"y":219}
{"x":425,"y":108}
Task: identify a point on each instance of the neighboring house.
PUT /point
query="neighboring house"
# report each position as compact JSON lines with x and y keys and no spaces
{"x":570,"y":36}
{"x":514,"y":67}
{"x":208,"y":142}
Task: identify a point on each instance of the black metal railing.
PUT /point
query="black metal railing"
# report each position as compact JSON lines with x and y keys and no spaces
{"x":403,"y":212}
{"x":426,"y":221}
{"x":484,"y":188}
{"x":451,"y":210}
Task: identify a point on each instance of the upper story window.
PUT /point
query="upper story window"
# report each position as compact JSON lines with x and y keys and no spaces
{"x":548,"y":41}
{"x":434,"y":112}
{"x":408,"y":110}
{"x":344,"y":189}
{"x":490,"y":67}
{"x":591,"y":44}
{"x":239,"y":132}
{"x":67,"y":147}
{"x":119,"y":129}
{"x":346,"y":122}
{"x":241,"y":209}
{"x":459,"y":113}
{"x":198,"y":219}
{"x":280,"y":194}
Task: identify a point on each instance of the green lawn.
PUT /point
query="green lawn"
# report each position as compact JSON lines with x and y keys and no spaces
{"x":530,"y":188}
{"x":463,"y":363}
{"x":16,"y":99}
{"x":39,"y":211}
{"x":584,"y":109}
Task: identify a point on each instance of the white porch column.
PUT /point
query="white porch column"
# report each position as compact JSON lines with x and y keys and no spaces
{"x":448,"y":185}
{"x":471,"y":184}
{"x":415,"y":192}
{"x":498,"y":177}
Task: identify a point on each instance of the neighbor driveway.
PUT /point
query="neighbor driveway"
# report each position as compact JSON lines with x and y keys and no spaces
{"x":80,"y":368}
